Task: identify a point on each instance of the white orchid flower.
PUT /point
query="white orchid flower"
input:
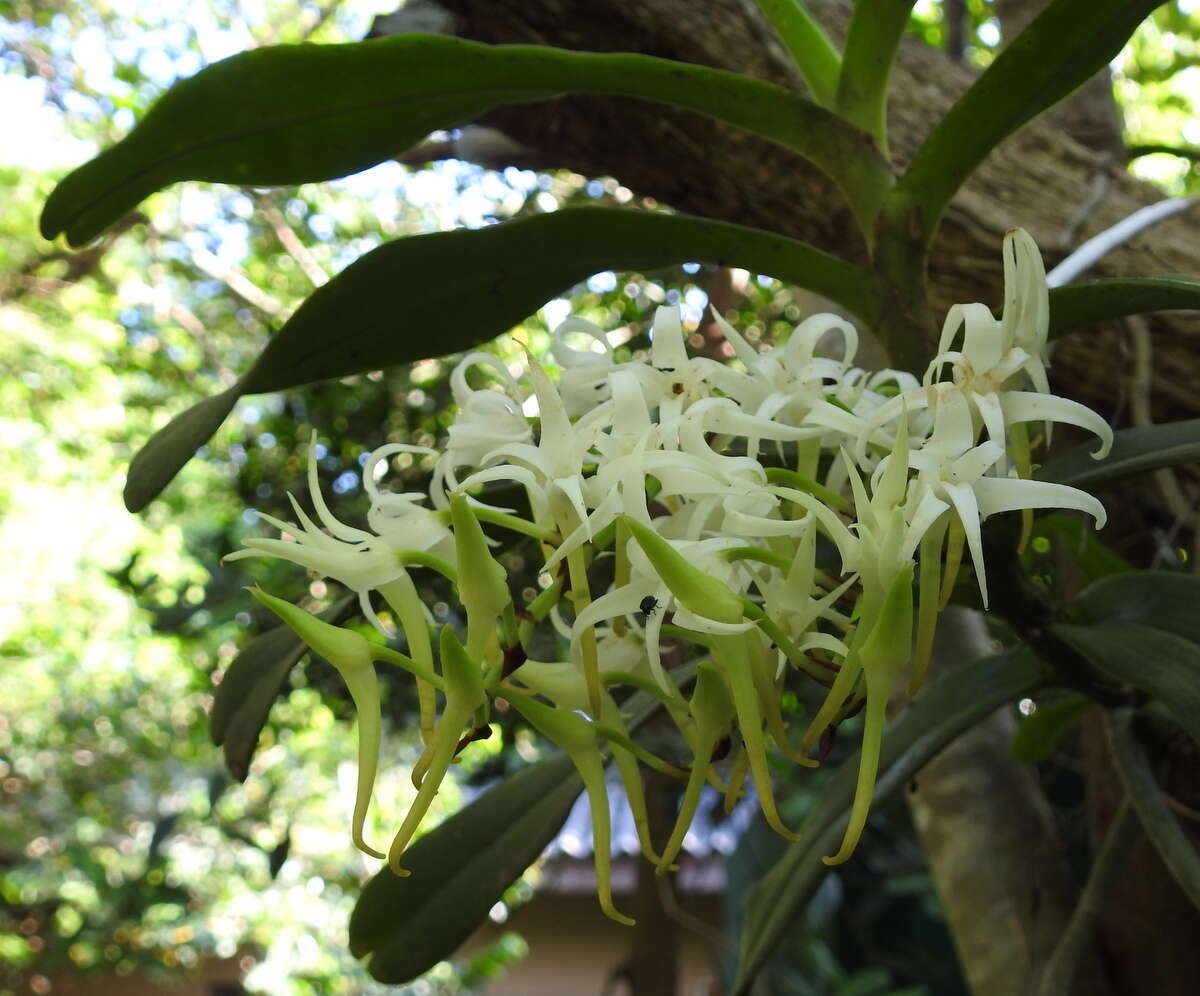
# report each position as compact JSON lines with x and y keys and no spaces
{"x":656,"y":465}
{"x":486,"y":417}
{"x":952,"y":470}
{"x":362,"y":561}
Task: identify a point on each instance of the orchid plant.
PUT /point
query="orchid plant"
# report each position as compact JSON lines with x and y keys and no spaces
{"x":713,"y":488}
{"x":708,"y":532}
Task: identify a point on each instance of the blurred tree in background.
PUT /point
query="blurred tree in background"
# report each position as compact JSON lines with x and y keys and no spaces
{"x":124,"y":844}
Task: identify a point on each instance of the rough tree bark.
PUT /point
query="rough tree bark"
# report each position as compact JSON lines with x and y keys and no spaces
{"x":1063,"y":178}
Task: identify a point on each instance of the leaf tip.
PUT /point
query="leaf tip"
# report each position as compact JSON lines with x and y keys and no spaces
{"x":165,"y":453}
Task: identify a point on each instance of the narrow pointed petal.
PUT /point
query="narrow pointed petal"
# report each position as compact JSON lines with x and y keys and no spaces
{"x":667,"y":350}
{"x":339,"y":529}
{"x":741,"y":348}
{"x":963,"y":498}
{"x":846,"y":542}
{"x":998,"y":494}
{"x":1026,"y":406}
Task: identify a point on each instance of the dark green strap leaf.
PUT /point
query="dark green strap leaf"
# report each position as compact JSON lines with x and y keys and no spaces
{"x":1172,"y":843}
{"x":1164,"y":666}
{"x":156,"y":463}
{"x":459,"y":871}
{"x":1135,"y":451}
{"x":1067,"y":44}
{"x":939,"y":714}
{"x":1166,"y":600}
{"x":1078,"y":306}
{"x":271,"y":116}
{"x":876,"y":27}
{"x":252,"y":683}
{"x":435,"y":294}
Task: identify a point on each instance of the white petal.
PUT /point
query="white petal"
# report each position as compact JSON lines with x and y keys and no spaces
{"x":364,"y":603}
{"x":955,"y":317}
{"x":741,"y":348}
{"x":983,"y":338}
{"x":963,"y":497}
{"x":667,"y":350}
{"x":992,"y":412}
{"x":623,"y":601}
{"x":997,"y":494}
{"x":703,"y":624}
{"x":723,"y":415}
{"x":824,"y":641}
{"x":740,"y":523}
{"x":1026,"y":406}
{"x":601,"y":517}
{"x":631,"y":419}
{"x":556,"y":436}
{"x":566,"y":356}
{"x":339,"y":529}
{"x":928,"y":511}
{"x":653,"y":635}
{"x":973,"y":464}
{"x":1026,"y":296}
{"x":798,"y":350}
{"x":459,"y":387}
{"x":846,"y":542}
{"x":369,"y":476}
{"x":953,"y":429}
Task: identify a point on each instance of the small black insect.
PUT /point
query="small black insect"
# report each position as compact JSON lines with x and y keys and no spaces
{"x":648,"y":605}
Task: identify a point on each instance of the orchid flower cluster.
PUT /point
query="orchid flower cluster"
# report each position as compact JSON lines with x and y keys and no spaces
{"x":788,"y":512}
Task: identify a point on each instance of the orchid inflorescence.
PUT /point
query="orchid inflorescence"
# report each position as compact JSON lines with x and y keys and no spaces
{"x":761,"y":517}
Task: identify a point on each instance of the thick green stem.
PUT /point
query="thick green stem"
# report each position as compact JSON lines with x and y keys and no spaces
{"x":813,"y":53}
{"x":906,"y":323}
{"x":871,"y":42}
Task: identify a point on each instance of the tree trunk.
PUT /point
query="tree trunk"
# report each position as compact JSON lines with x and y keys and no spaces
{"x":997,"y":859}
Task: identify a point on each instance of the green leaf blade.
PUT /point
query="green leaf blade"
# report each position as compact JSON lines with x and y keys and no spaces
{"x":1163,"y":665}
{"x":810,"y":48}
{"x":1039,"y":734}
{"x":430,"y":295}
{"x":157,"y":463}
{"x":269,"y":117}
{"x":1078,"y":306}
{"x":459,"y":871}
{"x":1149,"y":802}
{"x":1165,"y":600}
{"x":1038,"y":68}
{"x":876,"y":27}
{"x":943,"y":711}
